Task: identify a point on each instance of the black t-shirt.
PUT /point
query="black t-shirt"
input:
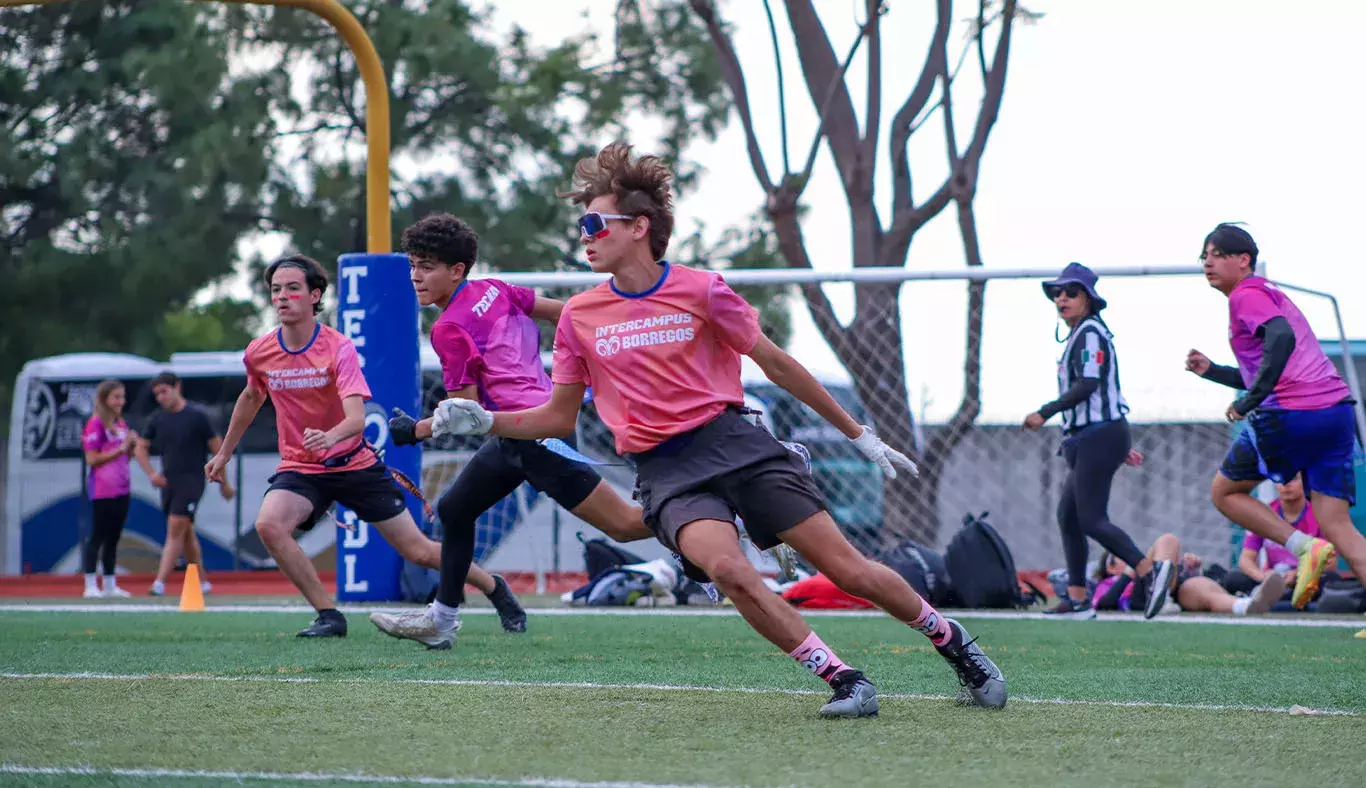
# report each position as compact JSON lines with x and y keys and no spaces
{"x":181,"y":438}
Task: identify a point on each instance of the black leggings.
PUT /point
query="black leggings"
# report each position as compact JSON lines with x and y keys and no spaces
{"x":1093,"y":454}
{"x":483,"y":482}
{"x":110,"y":514}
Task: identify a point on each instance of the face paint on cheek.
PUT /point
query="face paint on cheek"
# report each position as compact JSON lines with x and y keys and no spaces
{"x":605,"y":232}
{"x":295,"y":296}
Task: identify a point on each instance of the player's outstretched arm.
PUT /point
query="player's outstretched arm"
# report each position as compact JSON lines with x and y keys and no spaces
{"x":786,"y":371}
{"x":248,"y":403}
{"x":555,"y":419}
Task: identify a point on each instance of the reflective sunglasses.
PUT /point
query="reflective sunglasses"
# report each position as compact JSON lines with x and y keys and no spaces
{"x":593,"y":223}
{"x":1071,"y":289}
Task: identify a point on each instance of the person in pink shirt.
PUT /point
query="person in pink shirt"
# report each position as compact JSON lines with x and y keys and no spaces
{"x":312,"y":375}
{"x":660,"y":344}
{"x":1298,"y":413}
{"x":489,"y":348}
{"x":108,"y":443}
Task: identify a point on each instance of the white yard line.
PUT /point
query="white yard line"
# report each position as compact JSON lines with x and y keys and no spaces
{"x":1120,"y":704}
{"x":353,"y":777}
{"x":1275,"y":620}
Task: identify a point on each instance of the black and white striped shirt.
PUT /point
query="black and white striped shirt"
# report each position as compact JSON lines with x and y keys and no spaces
{"x":1089,"y":354}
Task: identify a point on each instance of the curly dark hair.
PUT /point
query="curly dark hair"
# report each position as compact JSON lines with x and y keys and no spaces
{"x":444,"y":238}
{"x":641,"y":186}
{"x":315,"y":276}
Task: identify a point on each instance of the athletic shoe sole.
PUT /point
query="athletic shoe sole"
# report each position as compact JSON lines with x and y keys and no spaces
{"x":1157,"y":595}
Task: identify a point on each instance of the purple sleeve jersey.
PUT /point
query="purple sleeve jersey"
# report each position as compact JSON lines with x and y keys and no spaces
{"x":1309,"y":381}
{"x":486,"y":337}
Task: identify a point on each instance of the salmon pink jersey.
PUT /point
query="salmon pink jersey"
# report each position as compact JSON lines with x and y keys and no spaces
{"x":307,"y":386}
{"x":660,"y":362}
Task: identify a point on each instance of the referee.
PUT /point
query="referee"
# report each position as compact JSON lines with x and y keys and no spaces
{"x":185,"y":439}
{"x":1095,"y":443}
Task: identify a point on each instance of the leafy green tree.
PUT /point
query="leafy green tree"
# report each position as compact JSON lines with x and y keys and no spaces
{"x":131,"y":161}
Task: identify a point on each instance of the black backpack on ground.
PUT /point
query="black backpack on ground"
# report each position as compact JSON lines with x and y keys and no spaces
{"x":982,"y":567}
{"x":1342,"y":595}
{"x":924,"y":569}
{"x":600,"y":555}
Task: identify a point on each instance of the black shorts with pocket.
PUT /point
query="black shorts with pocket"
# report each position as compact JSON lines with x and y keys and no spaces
{"x":727,"y":467}
{"x":180,"y":497}
{"x":369,"y":492}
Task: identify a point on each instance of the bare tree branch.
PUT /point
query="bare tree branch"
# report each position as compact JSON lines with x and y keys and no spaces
{"x":935,"y":62}
{"x":953,"y":75}
{"x":950,"y":133}
{"x":835,"y":88}
{"x":782,"y":91}
{"x":821,"y":69}
{"x":995,"y":89}
{"x":782,"y":211}
{"x":735,"y":79}
{"x":981,"y":37}
{"x":867,"y":158}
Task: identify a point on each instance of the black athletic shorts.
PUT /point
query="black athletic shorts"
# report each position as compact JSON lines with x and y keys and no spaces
{"x":369,"y":492}
{"x":565,"y":481}
{"x":180,"y":497}
{"x":727,"y":467}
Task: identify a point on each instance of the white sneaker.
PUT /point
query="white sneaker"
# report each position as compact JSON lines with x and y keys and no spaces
{"x":92,"y":593}
{"x":114,"y":592}
{"x":419,"y":626}
{"x":205,"y":587}
{"x":1267,"y":594}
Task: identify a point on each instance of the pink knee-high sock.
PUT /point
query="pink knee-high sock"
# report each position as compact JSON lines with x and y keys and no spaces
{"x":817,"y":657}
{"x":932,"y":624}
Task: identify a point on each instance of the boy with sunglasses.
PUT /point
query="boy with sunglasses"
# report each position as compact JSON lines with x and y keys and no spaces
{"x":1298,"y":411}
{"x":489,"y":347}
{"x":660,"y":344}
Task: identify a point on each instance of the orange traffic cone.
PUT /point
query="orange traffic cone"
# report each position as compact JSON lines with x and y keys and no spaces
{"x":191,"y":597}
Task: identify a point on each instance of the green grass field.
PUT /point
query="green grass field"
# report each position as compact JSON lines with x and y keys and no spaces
{"x":222,"y":697}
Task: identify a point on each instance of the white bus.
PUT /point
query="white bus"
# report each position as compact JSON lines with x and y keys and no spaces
{"x":46,"y":514}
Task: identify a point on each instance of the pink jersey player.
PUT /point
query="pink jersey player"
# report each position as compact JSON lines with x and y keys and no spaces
{"x":307,"y":386}
{"x":660,"y":345}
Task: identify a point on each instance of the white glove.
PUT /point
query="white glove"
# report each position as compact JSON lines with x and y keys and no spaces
{"x":460,"y":416}
{"x":887,"y":458}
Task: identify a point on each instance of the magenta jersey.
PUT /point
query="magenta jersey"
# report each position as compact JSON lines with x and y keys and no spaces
{"x":1275,"y":554}
{"x":307,"y":386}
{"x":486,"y":337}
{"x":661,"y":362}
{"x":109,"y":480}
{"x":1309,"y":381}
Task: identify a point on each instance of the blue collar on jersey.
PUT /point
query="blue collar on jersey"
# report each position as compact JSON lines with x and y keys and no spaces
{"x":280,"y":337}
{"x":662,"y":276}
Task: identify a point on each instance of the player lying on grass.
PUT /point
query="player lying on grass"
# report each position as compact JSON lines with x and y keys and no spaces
{"x":312,"y":375}
{"x":489,"y":347}
{"x":1120,"y":589}
{"x":1298,"y":415}
{"x":660,"y":344}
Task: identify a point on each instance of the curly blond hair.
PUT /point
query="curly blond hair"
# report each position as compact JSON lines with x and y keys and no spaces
{"x":641,"y":186}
